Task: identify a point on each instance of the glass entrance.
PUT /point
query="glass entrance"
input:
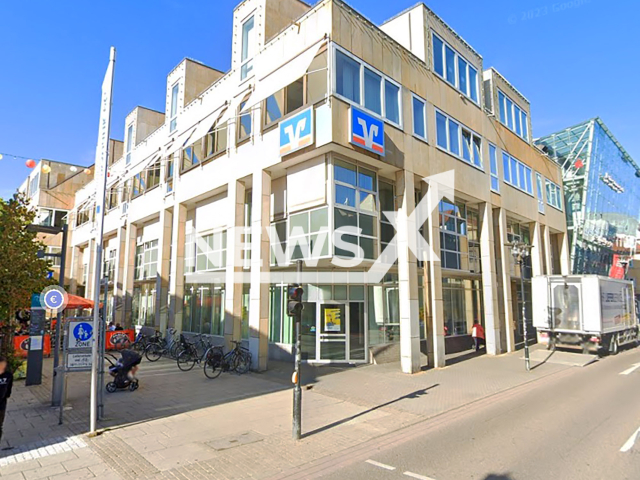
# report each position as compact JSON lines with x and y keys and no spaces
{"x":341,"y":332}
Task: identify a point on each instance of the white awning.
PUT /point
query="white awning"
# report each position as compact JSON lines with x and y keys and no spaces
{"x":205,"y":125}
{"x":283,"y":75}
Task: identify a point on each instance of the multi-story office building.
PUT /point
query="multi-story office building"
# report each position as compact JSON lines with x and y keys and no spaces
{"x":325,"y":121}
{"x":51,"y":189}
{"x":601,"y":196}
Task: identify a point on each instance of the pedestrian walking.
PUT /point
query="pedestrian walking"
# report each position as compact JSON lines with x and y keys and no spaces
{"x":477,"y":332}
{"x":6,"y":383}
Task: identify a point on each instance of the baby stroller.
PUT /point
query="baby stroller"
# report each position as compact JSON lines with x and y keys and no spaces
{"x":120,"y":370}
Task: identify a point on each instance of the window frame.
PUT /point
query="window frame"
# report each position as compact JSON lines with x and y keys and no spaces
{"x":507,"y":116}
{"x":540,"y":193}
{"x":494,"y":173}
{"x":456,"y":73}
{"x":129,"y":143}
{"x":173,"y":110}
{"x":520,"y":166}
{"x":200,"y":242}
{"x":415,"y":97}
{"x":558,"y":194}
{"x":383,"y":99}
{"x":247,"y":62}
{"x":461,"y":127}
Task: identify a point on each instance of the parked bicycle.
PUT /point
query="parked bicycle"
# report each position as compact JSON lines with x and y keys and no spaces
{"x":159,"y":347}
{"x":216,"y":361}
{"x":190,"y":355}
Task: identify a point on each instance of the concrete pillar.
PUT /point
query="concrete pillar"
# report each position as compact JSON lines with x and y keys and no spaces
{"x":164,"y":260}
{"x":129,"y":266}
{"x":119,"y":293}
{"x":407,"y":274}
{"x":90,"y":268}
{"x":489,"y":280}
{"x":565,"y":254}
{"x":509,"y":321}
{"x":435,"y":334}
{"x":259,"y":293}
{"x":176,"y":287}
{"x":537,"y":258}
{"x":233,"y":287}
{"x":75,"y":273}
{"x":546,"y":238}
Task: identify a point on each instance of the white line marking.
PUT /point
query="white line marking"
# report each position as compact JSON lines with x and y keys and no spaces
{"x":630,"y":370}
{"x":415,"y":475}
{"x":381,"y":465}
{"x":632,"y":439}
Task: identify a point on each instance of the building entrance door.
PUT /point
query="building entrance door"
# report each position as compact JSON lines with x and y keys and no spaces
{"x":341,"y":332}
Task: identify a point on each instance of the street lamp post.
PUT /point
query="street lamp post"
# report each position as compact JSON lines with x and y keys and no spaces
{"x":520,"y":251}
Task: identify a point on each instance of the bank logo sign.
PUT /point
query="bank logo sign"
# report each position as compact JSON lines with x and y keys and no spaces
{"x":296,"y":132}
{"x":366,"y":131}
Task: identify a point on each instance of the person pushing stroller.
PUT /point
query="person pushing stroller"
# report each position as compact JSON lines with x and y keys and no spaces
{"x":124,"y":371}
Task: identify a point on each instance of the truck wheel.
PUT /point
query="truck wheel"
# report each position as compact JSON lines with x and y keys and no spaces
{"x":613,"y":345}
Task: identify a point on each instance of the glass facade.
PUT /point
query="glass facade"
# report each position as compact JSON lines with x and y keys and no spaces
{"x":203,"y":310}
{"x":601,"y":196}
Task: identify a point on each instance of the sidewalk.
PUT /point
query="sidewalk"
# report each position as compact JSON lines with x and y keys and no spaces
{"x":182,"y":425}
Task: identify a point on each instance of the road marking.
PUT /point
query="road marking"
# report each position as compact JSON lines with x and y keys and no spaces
{"x":381,"y":465}
{"x":415,"y":475}
{"x":630,"y":370}
{"x":632,"y":439}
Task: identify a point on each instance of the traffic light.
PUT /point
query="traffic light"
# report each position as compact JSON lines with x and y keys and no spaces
{"x":294,"y":300}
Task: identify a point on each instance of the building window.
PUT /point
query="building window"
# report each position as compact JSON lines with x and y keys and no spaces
{"x":283,"y":102}
{"x":113,"y":196}
{"x":153,"y":175}
{"x":191,"y":156}
{"x":381,"y":94}
{"x":173,"y":118}
{"x":493,"y":161}
{"x":204,"y":309}
{"x":458,"y":140}
{"x":34,"y":185}
{"x":512,"y":116}
{"x":129,"y":143}
{"x":455,"y":69}
{"x":146,"y":266}
{"x":211,"y":251}
{"x":355,"y":206}
{"x":454,"y":244}
{"x":189,"y":253}
{"x":55,"y":261}
{"x":109,"y":267}
{"x":244,"y":123}
{"x":387,"y":204}
{"x":462,"y":305}
{"x":540,"y":193}
{"x":139,"y":185}
{"x":517,"y":174}
{"x":308,"y":229}
{"x":419,"y":117}
{"x":554,"y":194}
{"x":84,"y":215}
{"x":169,"y":172}
{"x":248,"y":47}
{"x":50,"y":217}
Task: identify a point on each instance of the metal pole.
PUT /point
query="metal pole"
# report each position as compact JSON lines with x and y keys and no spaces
{"x":297,"y":390}
{"x":102,"y":335}
{"x":56,"y":346}
{"x":527,"y":361}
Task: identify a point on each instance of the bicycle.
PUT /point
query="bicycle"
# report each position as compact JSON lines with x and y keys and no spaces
{"x":159,"y":347}
{"x":190,"y":355}
{"x":237,"y":359}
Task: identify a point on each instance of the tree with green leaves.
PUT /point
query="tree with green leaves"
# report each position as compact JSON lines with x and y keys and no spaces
{"x":22,"y":272}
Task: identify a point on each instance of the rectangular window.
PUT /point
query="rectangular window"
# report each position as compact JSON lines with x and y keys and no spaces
{"x":244,"y":124}
{"x":525,"y":127}
{"x":462,"y":75}
{"x":146,"y":265}
{"x":216,"y":140}
{"x":509,"y":113}
{"x":554,"y":194}
{"x":540,"y":193}
{"x":473,"y":84}
{"x":517,"y":174}
{"x":506,"y":167}
{"x":169,"y":173}
{"x":173,"y":120}
{"x":129,"y":143}
{"x":493,"y":161}
{"x":512,"y":116}
{"x":306,"y":230}
{"x":153,"y":175}
{"x":438,"y":55}
{"x":392,"y":102}
{"x":248,"y":46}
{"x":458,"y":140}
{"x":457,"y":239}
{"x":191,"y":156}
{"x":211,"y":251}
{"x":347,"y":77}
{"x":450,"y":57}
{"x":419,"y":117}
{"x":503,"y":107}
{"x":372,"y":89}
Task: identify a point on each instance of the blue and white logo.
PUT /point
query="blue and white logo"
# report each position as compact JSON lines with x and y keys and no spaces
{"x":366,"y":131}
{"x":296,"y":132}
{"x":83,"y":332}
{"x":54,"y":298}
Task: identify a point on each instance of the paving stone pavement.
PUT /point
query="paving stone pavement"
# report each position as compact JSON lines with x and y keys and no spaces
{"x":183,"y":426}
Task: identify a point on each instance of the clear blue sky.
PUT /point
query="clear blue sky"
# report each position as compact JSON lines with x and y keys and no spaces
{"x":573,"y":60}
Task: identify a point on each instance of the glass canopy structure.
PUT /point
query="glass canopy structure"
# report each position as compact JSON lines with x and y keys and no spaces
{"x":602,"y":197}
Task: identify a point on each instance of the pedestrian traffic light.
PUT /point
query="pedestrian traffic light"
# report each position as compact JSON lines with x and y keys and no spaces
{"x":294,"y":300}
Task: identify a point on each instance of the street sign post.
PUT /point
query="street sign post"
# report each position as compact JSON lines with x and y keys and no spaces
{"x":36,"y":334}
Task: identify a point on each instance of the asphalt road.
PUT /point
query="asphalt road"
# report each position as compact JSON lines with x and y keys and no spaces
{"x":571,"y":425}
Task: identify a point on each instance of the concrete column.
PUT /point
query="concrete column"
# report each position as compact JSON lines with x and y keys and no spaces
{"x":129,"y":266}
{"x":76,"y":269}
{"x":90,"y":268}
{"x":435,"y":334}
{"x":119,"y":293}
{"x":176,"y":287}
{"x":489,"y":280}
{"x":259,"y":293}
{"x":162,"y":277}
{"x":407,"y":274}
{"x":536,"y":252}
{"x":565,"y":254}
{"x":546,"y":238}
{"x":509,"y":325}
{"x":235,"y":238}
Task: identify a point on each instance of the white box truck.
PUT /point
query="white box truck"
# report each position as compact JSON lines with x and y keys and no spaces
{"x":586,"y":311}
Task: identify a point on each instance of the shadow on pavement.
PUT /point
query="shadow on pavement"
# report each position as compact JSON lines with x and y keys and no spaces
{"x":493,"y":476}
{"x":412,"y":395}
{"x":545,"y":360}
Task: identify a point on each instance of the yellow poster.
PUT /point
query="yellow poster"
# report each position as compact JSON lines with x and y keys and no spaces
{"x":332,"y":320}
